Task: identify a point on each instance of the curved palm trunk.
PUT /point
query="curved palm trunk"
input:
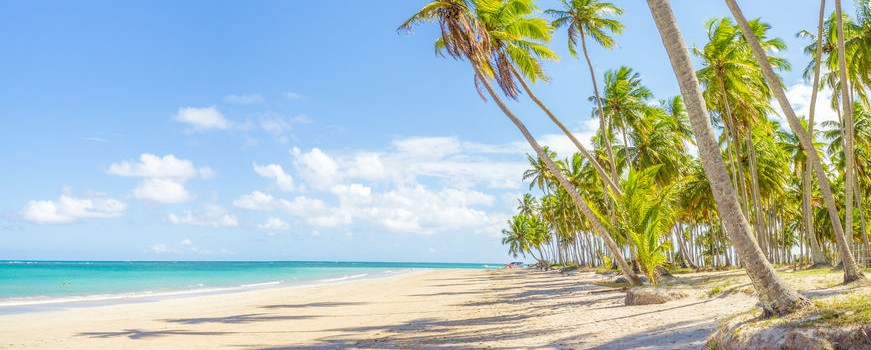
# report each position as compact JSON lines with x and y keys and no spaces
{"x":576,"y":198}
{"x":608,"y":148}
{"x":849,"y":152}
{"x":817,"y":253}
{"x":607,"y":180}
{"x":851,"y":269}
{"x":774,"y":294}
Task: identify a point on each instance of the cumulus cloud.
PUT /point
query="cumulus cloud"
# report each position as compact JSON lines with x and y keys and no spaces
{"x":300,"y":206}
{"x":69,"y":209}
{"x":153,"y":166}
{"x":423,"y":185}
{"x":164,"y":176}
{"x":161,"y":190}
{"x":244,"y":99}
{"x":208,"y":118}
{"x":275,"y":172}
{"x":316,"y":167}
{"x":212,"y":216}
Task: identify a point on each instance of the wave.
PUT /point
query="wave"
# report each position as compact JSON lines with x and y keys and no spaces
{"x":343,"y":278}
{"x":34,"y":301}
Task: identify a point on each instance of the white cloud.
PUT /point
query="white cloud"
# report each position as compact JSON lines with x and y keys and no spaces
{"x":69,"y":209}
{"x":274,"y":224}
{"x":153,"y":166}
{"x":164,"y":176}
{"x":211,"y":216}
{"x":799,"y":95}
{"x":257,"y":201}
{"x":161,"y":190}
{"x":244,"y":99}
{"x":202,"y":118}
{"x":366,"y":165}
{"x":316,"y":167}
{"x":423,"y":185}
{"x":300,"y":206}
{"x":276,"y":172}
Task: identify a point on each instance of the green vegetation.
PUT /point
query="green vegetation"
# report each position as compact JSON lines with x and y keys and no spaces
{"x":641,"y":199}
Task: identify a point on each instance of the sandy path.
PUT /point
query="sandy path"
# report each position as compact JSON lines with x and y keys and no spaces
{"x":444,"y":309}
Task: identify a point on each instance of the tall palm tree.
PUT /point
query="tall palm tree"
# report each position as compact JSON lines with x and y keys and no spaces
{"x":591,"y":18}
{"x":801,"y":168}
{"x":851,"y":268}
{"x":463,"y":37}
{"x":516,"y":43}
{"x":817,"y":253}
{"x":625,"y":102}
{"x":776,"y":296}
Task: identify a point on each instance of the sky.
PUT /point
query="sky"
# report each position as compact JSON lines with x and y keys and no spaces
{"x":285,"y":130}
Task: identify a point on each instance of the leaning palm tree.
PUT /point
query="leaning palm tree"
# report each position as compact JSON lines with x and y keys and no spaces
{"x":590,"y":18}
{"x":776,"y":296}
{"x":807,"y":179}
{"x":464,"y":38}
{"x":516,"y":43}
{"x":851,"y":268}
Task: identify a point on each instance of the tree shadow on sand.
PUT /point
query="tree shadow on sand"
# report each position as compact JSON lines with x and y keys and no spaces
{"x":311,"y":305}
{"x":237,"y":319}
{"x":143,"y":334}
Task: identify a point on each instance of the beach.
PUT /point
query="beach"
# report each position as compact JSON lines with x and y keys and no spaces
{"x":450,"y":308}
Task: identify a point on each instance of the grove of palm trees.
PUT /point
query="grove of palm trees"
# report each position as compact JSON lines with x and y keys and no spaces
{"x":708,"y":180}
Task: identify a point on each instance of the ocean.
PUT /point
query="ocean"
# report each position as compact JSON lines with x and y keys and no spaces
{"x":35,"y":285}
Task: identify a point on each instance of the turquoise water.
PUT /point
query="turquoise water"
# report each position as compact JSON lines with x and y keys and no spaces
{"x":37,"y":282}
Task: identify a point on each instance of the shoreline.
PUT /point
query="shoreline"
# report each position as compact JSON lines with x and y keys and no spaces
{"x":37,"y":304}
{"x":512,"y":308}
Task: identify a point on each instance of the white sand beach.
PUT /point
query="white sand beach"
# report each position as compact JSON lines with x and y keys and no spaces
{"x":449,"y":309}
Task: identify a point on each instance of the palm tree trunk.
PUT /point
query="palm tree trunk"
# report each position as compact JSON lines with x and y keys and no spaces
{"x":605,"y":134}
{"x":817,"y":253}
{"x":607,"y":180}
{"x":576,"y":198}
{"x":849,"y":152}
{"x":756,"y":193}
{"x":851,"y":269}
{"x":775,"y":295}
{"x":684,"y":252}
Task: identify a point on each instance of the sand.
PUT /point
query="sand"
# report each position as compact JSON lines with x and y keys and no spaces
{"x":442,"y":309}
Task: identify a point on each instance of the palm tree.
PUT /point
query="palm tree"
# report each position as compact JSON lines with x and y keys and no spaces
{"x":851,"y":269}
{"x":463,"y":37}
{"x":516,"y":41}
{"x":625,"y":102}
{"x":590,"y":18}
{"x":849,"y":151}
{"x":817,"y":253}
{"x":524,"y":233}
{"x":645,"y":215}
{"x":777,"y":298}
{"x":801,"y":168}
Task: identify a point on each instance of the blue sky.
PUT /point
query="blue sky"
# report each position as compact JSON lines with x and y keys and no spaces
{"x":278,"y":130}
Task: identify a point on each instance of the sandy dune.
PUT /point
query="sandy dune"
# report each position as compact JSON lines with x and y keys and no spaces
{"x":444,"y":309}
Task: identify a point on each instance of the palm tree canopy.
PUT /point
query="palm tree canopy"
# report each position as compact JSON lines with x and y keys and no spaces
{"x":591,"y":18}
